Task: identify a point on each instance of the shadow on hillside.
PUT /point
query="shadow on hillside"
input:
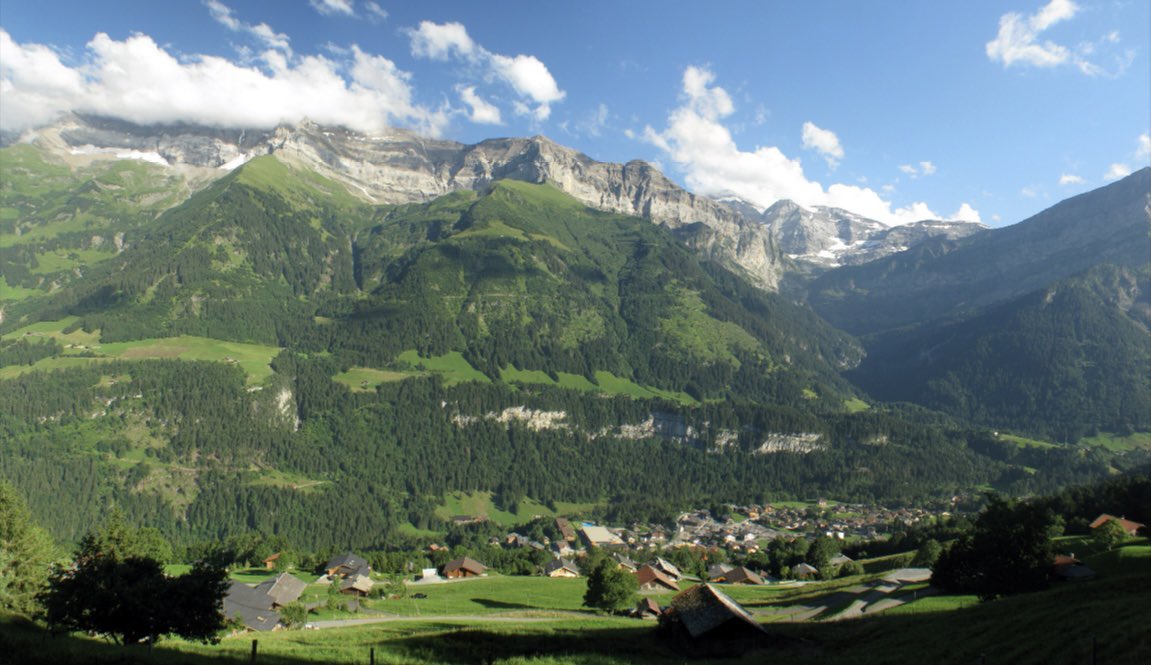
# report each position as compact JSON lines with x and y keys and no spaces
{"x":502,"y":605}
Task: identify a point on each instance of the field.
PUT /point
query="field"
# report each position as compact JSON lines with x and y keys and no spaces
{"x":254,"y":359}
{"x":479,"y":504}
{"x":539,"y":621}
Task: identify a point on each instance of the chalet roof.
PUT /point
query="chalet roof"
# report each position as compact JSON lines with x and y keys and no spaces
{"x":717,"y":570}
{"x":283,"y":589}
{"x":703,"y":608}
{"x":648,"y":606}
{"x":561,"y":564}
{"x":667,"y":567}
{"x":349,"y":563}
{"x":625,"y":561}
{"x":743,"y":575}
{"x":650,"y":575}
{"x":600,"y":536}
{"x":804,"y":569}
{"x":465,"y":563}
{"x":840,"y":559}
{"x":253,"y":608}
{"x":1129,"y":526}
{"x":361,"y":583}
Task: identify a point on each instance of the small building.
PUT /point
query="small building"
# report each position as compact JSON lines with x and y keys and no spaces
{"x":706,"y":620}
{"x":356,"y":585}
{"x":464,"y":567}
{"x":647,"y":608}
{"x":1130,"y":527}
{"x":283,"y":589}
{"x":840,"y":559}
{"x":250,"y":607}
{"x":742,"y":575}
{"x":803,"y":571}
{"x":565,"y":528}
{"x":561,"y":568}
{"x":270,"y":562}
{"x":667,"y":568}
{"x":344,"y":565}
{"x":1066,"y":567}
{"x":429,"y":574}
{"x":653,"y":579}
{"x":598,"y":536}
{"x":624,"y":562}
{"x":717,"y":572}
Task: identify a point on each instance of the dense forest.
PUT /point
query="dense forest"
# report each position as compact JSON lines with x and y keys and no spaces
{"x":359,"y":363}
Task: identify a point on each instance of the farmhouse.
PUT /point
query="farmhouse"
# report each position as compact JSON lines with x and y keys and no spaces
{"x":706,"y":619}
{"x":283,"y":589}
{"x":647,"y":609}
{"x":565,"y":529}
{"x":344,"y":565}
{"x":804,"y":570}
{"x":598,"y":536}
{"x":250,"y":607}
{"x":653,"y":579}
{"x":464,"y":567}
{"x":1129,"y":527}
{"x":561,"y":568}
{"x":1067,"y":567}
{"x":356,"y":585}
{"x":741,"y":575}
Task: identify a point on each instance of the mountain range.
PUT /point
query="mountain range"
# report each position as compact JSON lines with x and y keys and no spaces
{"x":222,"y":330}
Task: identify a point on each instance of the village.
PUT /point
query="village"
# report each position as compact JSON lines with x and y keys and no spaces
{"x":713,"y":551}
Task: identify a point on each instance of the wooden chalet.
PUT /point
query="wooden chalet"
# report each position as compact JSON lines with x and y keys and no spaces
{"x":654,"y":579}
{"x":561,"y":568}
{"x":1130,"y":527}
{"x":705,"y":620}
{"x":283,"y":589}
{"x":348,"y":564}
{"x":463,"y":567}
{"x":647,"y":608}
{"x":250,"y":607}
{"x":804,"y":570}
{"x":270,"y":562}
{"x":566,"y":530}
{"x":741,"y":575}
{"x":356,"y":585}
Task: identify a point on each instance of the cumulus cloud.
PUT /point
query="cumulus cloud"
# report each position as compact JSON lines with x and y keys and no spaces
{"x":525,"y":74}
{"x":261,"y":31}
{"x":1018,"y":43}
{"x":1143,"y":152}
{"x":438,"y":41}
{"x":702,"y":147}
{"x":594,"y":122}
{"x":138,"y":80}
{"x":375,"y":11}
{"x":330,"y":7}
{"x":967,"y":214}
{"x":924,"y":168}
{"x":1117,"y":171}
{"x":482,"y":112}
{"x":823,"y":141}
{"x":1070,"y":179}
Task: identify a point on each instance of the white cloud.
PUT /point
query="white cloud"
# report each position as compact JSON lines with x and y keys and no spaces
{"x":924,"y":168}
{"x":909,"y":169}
{"x":1070,"y":179}
{"x":967,"y":214}
{"x":594,"y":122}
{"x":703,"y":148}
{"x":437,"y":41}
{"x":137,"y":80}
{"x":483,"y":112}
{"x":1017,"y":42}
{"x":823,"y":141}
{"x":1143,"y":152}
{"x":330,"y":7}
{"x":927,"y":168}
{"x":525,"y":74}
{"x":1117,"y":171}
{"x":375,"y":11}
{"x":1029,"y":192}
{"x":262,"y":31}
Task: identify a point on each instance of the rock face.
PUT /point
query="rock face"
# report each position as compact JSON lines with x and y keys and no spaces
{"x":402,"y":167}
{"x":822,"y":238}
{"x":945,"y":278}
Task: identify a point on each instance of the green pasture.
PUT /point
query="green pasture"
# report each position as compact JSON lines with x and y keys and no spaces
{"x":451,"y":366}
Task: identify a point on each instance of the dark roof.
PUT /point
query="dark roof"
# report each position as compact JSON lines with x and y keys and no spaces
{"x":742,"y":575}
{"x":648,"y":606}
{"x":252,"y":607}
{"x":465,"y":563}
{"x":348,"y":562}
{"x":557,"y":564}
{"x":718,"y":570}
{"x":703,"y":608}
{"x":283,"y":589}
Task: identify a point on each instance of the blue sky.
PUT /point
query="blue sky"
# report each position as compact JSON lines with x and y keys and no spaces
{"x":894,"y":109}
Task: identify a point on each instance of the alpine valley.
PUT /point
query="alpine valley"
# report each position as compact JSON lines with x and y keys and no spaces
{"x":321,"y":334}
